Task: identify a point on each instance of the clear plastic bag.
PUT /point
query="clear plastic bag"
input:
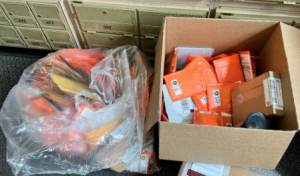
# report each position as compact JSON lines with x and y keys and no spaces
{"x":77,"y":111}
{"x":147,"y":162}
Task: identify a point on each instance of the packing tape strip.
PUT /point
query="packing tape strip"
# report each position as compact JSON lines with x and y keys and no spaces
{"x":289,"y":164}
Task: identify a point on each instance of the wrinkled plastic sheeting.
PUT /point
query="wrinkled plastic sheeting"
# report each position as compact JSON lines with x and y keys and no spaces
{"x":77,"y":111}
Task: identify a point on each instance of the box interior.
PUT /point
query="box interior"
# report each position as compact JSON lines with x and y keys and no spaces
{"x":263,"y":39}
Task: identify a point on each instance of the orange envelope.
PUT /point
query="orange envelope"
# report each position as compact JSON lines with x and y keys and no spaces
{"x":172,"y":65}
{"x":207,"y":118}
{"x":183,"y":84}
{"x":189,"y":59}
{"x":201,"y":101}
{"x":227,"y":119}
{"x":229,"y":69}
{"x":246,"y":65}
{"x":210,"y":60}
{"x":206,"y":72}
{"x":219,"y":96}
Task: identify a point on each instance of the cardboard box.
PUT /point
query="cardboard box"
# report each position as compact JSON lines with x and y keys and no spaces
{"x":254,"y":96}
{"x":277,"y":46}
{"x":234,"y":171}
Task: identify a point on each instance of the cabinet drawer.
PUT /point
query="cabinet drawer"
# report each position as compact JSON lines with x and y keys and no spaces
{"x":57,"y":36}
{"x":31,"y":34}
{"x":3,"y":18}
{"x":58,"y":46}
{"x":148,"y":46}
{"x":107,"y":19}
{"x":37,"y":44}
{"x":8,"y":32}
{"x":150,"y":21}
{"x":12,"y":42}
{"x":108,"y":40}
{"x":47,"y":15}
{"x":19,"y":13}
{"x":23,"y":21}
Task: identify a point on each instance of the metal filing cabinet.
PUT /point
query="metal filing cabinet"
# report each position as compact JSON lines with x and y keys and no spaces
{"x":19,"y":13}
{"x":59,"y":39}
{"x":33,"y":37}
{"x":47,"y":15}
{"x":96,"y":40}
{"x":31,"y":18}
{"x":106,"y":19}
{"x":250,"y":14}
{"x":10,"y":37}
{"x":150,"y":20}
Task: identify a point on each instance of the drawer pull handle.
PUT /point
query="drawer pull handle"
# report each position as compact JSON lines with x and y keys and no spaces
{"x":10,"y":13}
{"x":25,"y":37}
{"x":104,"y":12}
{"x":111,"y":38}
{"x":52,"y":40}
{"x":40,"y":16}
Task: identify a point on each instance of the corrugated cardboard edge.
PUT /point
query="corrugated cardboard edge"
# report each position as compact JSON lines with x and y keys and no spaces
{"x":234,"y":171}
{"x":154,"y":109}
{"x":291,"y":43}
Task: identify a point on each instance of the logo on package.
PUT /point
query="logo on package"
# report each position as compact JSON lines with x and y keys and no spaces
{"x":176,"y":87}
{"x":193,"y":173}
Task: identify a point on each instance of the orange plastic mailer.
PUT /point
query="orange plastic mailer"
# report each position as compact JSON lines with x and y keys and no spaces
{"x":206,"y":71}
{"x":183,"y":84}
{"x":189,"y":59}
{"x":227,"y":119}
{"x":219,"y":96}
{"x":210,"y":60}
{"x":201,"y":101}
{"x":172,"y":65}
{"x":246,"y":65}
{"x":207,"y":118}
{"x":229,"y":69}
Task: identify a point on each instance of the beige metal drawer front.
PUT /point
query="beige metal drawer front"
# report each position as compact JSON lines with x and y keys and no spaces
{"x":272,"y":1}
{"x":12,"y":42}
{"x":47,"y":15}
{"x":38,"y":44}
{"x":107,"y":19}
{"x":286,"y":21}
{"x":95,"y":40}
{"x":8,"y":32}
{"x":31,"y":34}
{"x":19,"y":13}
{"x":58,"y":46}
{"x":3,"y":18}
{"x":151,"y":21}
{"x":57,"y":36}
{"x":148,"y":46}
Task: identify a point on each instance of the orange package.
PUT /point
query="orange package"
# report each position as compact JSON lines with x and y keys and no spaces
{"x":229,"y":69}
{"x":246,"y":65}
{"x":254,"y":68}
{"x":183,"y":84}
{"x":227,"y":119}
{"x":172,"y":65}
{"x":219,"y":96}
{"x":210,"y":60}
{"x":189,"y":59}
{"x":201,"y":101}
{"x":206,"y":72}
{"x":207,"y":118}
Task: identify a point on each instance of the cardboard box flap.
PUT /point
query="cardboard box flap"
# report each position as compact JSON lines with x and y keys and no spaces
{"x":154,"y":108}
{"x":291,"y":42}
{"x":225,"y":36}
{"x":182,"y":142}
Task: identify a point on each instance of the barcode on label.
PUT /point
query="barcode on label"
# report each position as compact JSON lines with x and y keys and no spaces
{"x":185,"y":105}
{"x":176,"y":87}
{"x":246,"y":67}
{"x":204,"y":100}
{"x":217,"y":97}
{"x":273,"y":93}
